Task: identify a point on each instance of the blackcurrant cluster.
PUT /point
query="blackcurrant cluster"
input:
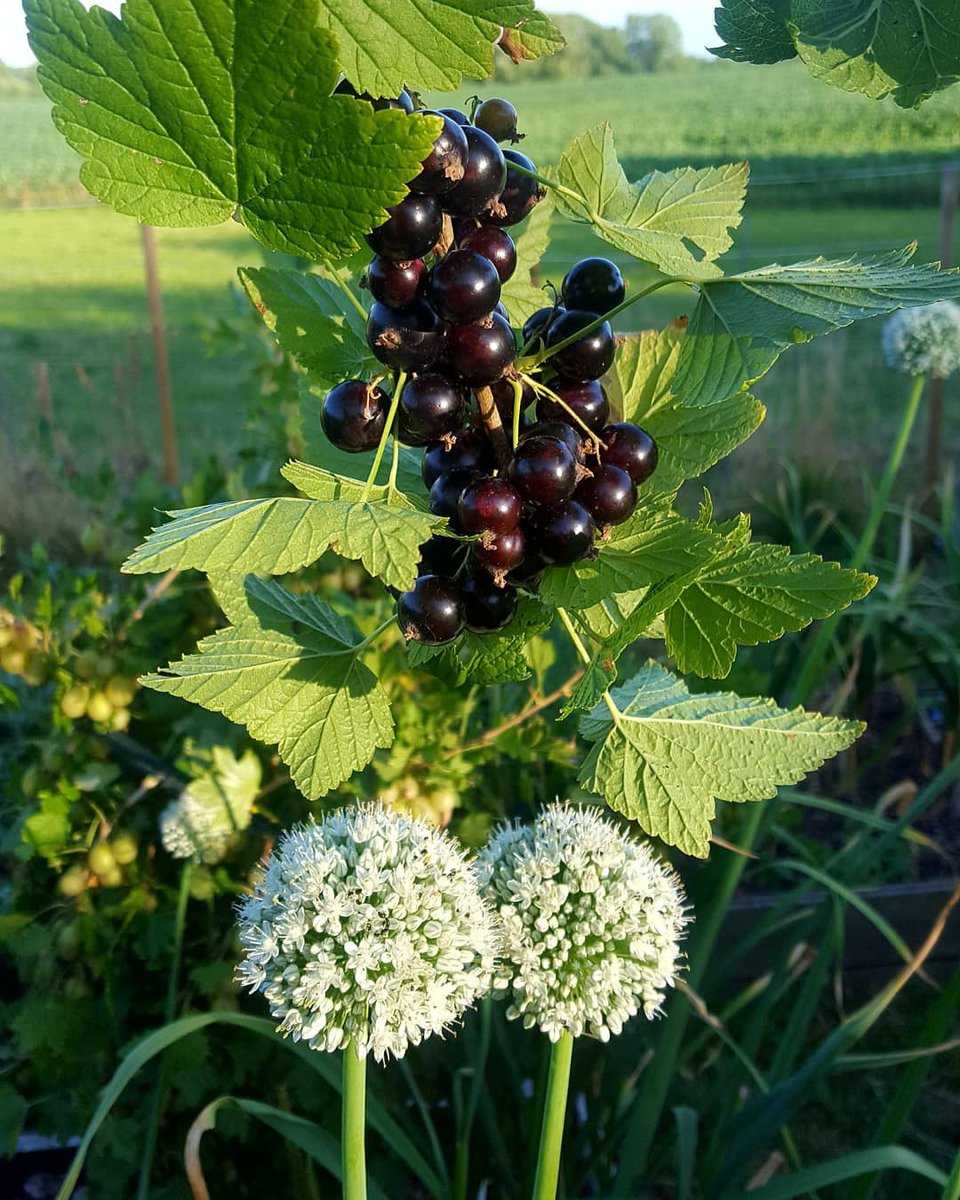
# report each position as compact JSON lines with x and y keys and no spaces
{"x":440,"y":260}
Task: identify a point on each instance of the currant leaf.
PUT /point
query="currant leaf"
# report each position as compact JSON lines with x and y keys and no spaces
{"x":488,"y":658}
{"x":754,"y":31}
{"x":289,"y":670}
{"x":663,"y":757}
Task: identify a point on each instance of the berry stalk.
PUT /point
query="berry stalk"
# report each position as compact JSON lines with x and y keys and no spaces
{"x":492,"y":423}
{"x":400,"y":380}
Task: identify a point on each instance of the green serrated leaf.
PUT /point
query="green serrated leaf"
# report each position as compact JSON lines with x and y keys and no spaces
{"x":289,"y":670}
{"x":663,"y":757}
{"x":754,"y":593}
{"x":312,"y":320}
{"x":742,"y":324}
{"x":190,"y":112}
{"x":664,"y":218}
{"x":520,"y":294}
{"x":487,"y":658}
{"x":907,"y":49}
{"x":535,"y":37}
{"x":597,"y":676}
{"x":754,"y":31}
{"x":385,"y":45}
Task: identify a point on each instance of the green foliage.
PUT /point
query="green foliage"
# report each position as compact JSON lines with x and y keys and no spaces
{"x":520,"y":294}
{"x":754,"y":31}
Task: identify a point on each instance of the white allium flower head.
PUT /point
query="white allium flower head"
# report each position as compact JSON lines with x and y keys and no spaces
{"x":924,"y":341}
{"x":206,"y":818}
{"x":591,"y":922}
{"x":367,"y":929}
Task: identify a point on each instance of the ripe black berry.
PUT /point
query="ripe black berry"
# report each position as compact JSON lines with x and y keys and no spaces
{"x":455,"y":115}
{"x":497,"y":117}
{"x":535,"y":326}
{"x":543,"y":470}
{"x":594,"y":285}
{"x":495,"y":244}
{"x":563,"y":432}
{"x":489,"y":504}
{"x":430,"y":406}
{"x":404,"y":102}
{"x":500,"y":552}
{"x":483,"y":179}
{"x":564,"y":532}
{"x":394,"y":283}
{"x":520,"y":193}
{"x":470,"y":452}
{"x":443,"y":556}
{"x":354,"y":414}
{"x":445,"y":496}
{"x":411,"y":230}
{"x":487,"y":606}
{"x":479,"y":354}
{"x":610,"y":496}
{"x":432,"y":612}
{"x":528,"y":573}
{"x":406,"y":339}
{"x":588,"y":400}
{"x":630,"y":448}
{"x":444,"y":166}
{"x":588,"y":357}
{"x":464,"y":287}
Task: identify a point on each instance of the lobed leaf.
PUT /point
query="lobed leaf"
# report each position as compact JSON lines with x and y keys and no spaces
{"x":663,"y":757}
{"x":754,"y":31}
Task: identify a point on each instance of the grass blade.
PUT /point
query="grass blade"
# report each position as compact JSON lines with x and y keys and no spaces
{"x":688,"y":1120}
{"x":881,"y":1158}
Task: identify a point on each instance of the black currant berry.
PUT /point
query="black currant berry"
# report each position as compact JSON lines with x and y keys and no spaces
{"x":495,"y":244}
{"x":543,"y":470}
{"x":529,"y":573}
{"x":520,"y":193}
{"x":483,"y":179}
{"x":430,"y":406}
{"x":411,"y":230}
{"x":406,"y":339}
{"x":480,"y":353}
{"x":404,"y":102}
{"x":489,"y":504}
{"x":504,"y":399}
{"x":564,"y":532}
{"x":631,"y":449}
{"x":572,"y":438}
{"x":588,"y":357}
{"x":588,"y":400}
{"x":445,"y":496}
{"x":464,"y":287}
{"x":444,"y":166}
{"x":354,"y":414}
{"x":443,"y":556}
{"x":500,"y":553}
{"x":432,"y":612}
{"x":593,"y":285}
{"x":455,"y":115}
{"x":486,"y":605}
{"x":394,"y":283}
{"x":469,"y":452}
{"x":535,"y":326}
{"x":610,"y":495}
{"x":497,"y":117}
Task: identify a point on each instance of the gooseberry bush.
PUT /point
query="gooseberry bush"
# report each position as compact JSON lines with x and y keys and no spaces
{"x":487,"y":449}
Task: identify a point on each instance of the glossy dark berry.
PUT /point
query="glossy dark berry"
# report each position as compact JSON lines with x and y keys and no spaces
{"x":489,"y":504}
{"x":455,"y":115}
{"x":535,"y":326}
{"x":593,"y":285}
{"x":354,"y":414}
{"x":483,"y":179}
{"x":610,"y":495}
{"x":444,"y":166}
{"x":430,"y":406}
{"x":406,"y":339}
{"x":528,"y":573}
{"x":520,"y":193}
{"x":504,"y":399}
{"x":587,"y":357}
{"x":394,"y":283}
{"x":403,"y":102}
{"x":630,"y":448}
{"x":588,"y":400}
{"x":443,"y":556}
{"x":431,"y":612}
{"x":500,"y":553}
{"x":479,"y":354}
{"x":496,"y":245}
{"x":469,"y":452}
{"x":543,"y":470}
{"x":497,"y":117}
{"x":487,"y":606}
{"x":572,"y":438}
{"x":564,"y":532}
{"x":411,"y":230}
{"x":445,"y":496}
{"x":464,"y":287}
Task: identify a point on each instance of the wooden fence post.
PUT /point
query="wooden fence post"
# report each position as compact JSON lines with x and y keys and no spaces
{"x":949,"y":194}
{"x":171,"y":465}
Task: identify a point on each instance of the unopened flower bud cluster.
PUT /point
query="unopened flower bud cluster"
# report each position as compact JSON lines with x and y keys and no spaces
{"x":924,"y":341}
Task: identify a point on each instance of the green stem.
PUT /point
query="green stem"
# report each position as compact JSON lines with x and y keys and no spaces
{"x":574,"y":416}
{"x":587,"y":659}
{"x":461,"y":1165}
{"x":352,"y":1151}
{"x":554,"y":1112}
{"x":553,"y":186}
{"x":813,"y":659}
{"x":385,"y":436}
{"x":346,"y":289}
{"x":169,"y":1009}
{"x":517,"y":405}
